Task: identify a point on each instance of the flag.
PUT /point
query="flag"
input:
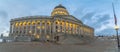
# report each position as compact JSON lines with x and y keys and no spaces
{"x":115,"y":18}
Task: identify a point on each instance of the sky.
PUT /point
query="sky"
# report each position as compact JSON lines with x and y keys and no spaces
{"x":95,"y":13}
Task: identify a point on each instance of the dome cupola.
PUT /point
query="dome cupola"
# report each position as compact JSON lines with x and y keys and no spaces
{"x":59,"y":10}
{"x":60,"y":6}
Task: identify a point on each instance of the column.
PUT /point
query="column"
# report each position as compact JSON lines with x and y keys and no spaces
{"x":18,"y":27}
{"x":22,"y":29}
{"x":11,"y":28}
{"x":50,"y":28}
{"x":45,"y":27}
{"x":35,"y":26}
{"x":58,"y":26}
{"x":54,"y":26}
{"x":26,"y":29}
{"x":69,"y":28}
{"x":40,"y":28}
{"x":30,"y":28}
{"x":80,"y":29}
{"x":72,"y":28}
{"x":77,"y":30}
{"x":64,"y":26}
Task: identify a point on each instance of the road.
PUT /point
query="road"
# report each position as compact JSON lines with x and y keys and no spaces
{"x":97,"y":46}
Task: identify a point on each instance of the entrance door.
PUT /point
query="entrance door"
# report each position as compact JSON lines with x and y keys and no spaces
{"x":57,"y":38}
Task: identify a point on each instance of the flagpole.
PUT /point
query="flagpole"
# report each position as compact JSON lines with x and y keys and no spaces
{"x":117,"y":37}
{"x":116,"y":27}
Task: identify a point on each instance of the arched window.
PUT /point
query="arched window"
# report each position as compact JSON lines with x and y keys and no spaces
{"x":28,"y":23}
{"x":56,"y":22}
{"x":24,"y":23}
{"x":33,"y":22}
{"x":20,"y":24}
{"x":56,"y":27}
{"x":48,"y":23}
{"x":38,"y":23}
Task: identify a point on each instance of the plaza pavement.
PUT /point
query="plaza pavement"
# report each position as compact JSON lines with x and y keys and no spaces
{"x":96,"y":46}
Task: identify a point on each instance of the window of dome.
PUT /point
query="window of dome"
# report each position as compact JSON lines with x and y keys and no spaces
{"x":60,"y":11}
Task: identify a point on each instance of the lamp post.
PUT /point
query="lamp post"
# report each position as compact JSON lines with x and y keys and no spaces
{"x":117,"y":28}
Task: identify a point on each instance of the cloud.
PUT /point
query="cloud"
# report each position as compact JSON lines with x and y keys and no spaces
{"x":100,"y":22}
{"x":3,"y":17}
{"x":3,"y":21}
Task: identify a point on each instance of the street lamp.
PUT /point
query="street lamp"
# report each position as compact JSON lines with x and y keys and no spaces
{"x":117,"y":28}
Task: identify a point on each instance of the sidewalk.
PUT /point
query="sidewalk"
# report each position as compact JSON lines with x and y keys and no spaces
{"x":113,"y":47}
{"x":97,"y":46}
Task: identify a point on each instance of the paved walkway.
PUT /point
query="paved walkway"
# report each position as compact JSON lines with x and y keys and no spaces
{"x":97,"y":46}
{"x":113,"y":47}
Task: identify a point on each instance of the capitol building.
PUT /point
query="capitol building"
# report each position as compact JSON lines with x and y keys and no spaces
{"x":59,"y":27}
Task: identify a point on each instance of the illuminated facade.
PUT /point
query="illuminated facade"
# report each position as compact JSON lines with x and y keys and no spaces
{"x":56,"y":27}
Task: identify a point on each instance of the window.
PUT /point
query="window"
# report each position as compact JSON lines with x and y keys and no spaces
{"x":43,"y":23}
{"x":56,"y":27}
{"x":43,"y":27}
{"x":48,"y":23}
{"x":24,"y":32}
{"x":33,"y":27}
{"x":20,"y":24}
{"x":28,"y":23}
{"x":16,"y":24}
{"x":51,"y":31}
{"x":60,"y":27}
{"x":56,"y":22}
{"x":33,"y":23}
{"x":58,"y":30}
{"x":16,"y":31}
{"x":38,"y":27}
{"x":38,"y":23}
{"x":60,"y":23}
{"x":24,"y":27}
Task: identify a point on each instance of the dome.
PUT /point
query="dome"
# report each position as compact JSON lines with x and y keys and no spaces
{"x":60,"y":6}
{"x":59,"y":10}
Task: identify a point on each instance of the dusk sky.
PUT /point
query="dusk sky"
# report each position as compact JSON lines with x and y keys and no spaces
{"x":95,"y":13}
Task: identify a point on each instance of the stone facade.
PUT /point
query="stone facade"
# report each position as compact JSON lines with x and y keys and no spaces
{"x":49,"y":28}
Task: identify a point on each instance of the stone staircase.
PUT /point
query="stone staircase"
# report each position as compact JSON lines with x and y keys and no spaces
{"x":75,"y":39}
